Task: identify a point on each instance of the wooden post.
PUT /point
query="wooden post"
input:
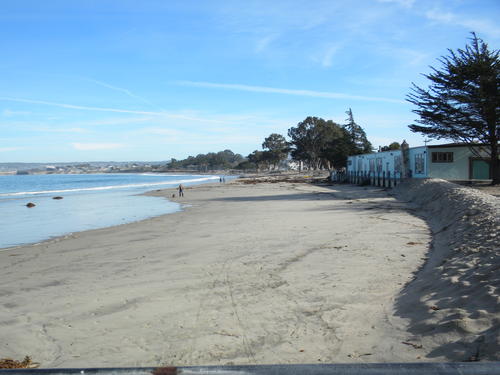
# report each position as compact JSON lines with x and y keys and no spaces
{"x":388,"y":178}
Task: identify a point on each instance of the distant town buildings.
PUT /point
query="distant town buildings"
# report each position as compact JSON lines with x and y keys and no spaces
{"x":80,"y":168}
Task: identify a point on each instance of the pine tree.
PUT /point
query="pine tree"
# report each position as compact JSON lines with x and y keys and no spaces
{"x":462,"y":102}
{"x":360,"y":144}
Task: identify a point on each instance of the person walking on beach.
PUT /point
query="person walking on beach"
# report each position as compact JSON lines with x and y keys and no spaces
{"x":181,"y":190}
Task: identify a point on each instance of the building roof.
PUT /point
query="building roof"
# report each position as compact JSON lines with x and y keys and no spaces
{"x":457,"y":144}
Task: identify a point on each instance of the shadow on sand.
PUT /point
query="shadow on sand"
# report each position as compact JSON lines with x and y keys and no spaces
{"x":454,"y":299}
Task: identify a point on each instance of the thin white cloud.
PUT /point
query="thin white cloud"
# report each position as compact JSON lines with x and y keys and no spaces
{"x":263,"y":43}
{"x":102,"y":109}
{"x":472,"y":24}
{"x":328,"y":54}
{"x":403,"y":3}
{"x":59,"y":130}
{"x":120,"y":89}
{"x":274,"y":90}
{"x":113,"y":121}
{"x":10,"y":113}
{"x":96,"y":146}
{"x":162,"y":131}
{"x":407,"y":56}
{"x":220,"y":141}
{"x":9,"y":149}
{"x":276,"y":16}
{"x":107,"y":85}
{"x":74,"y":106}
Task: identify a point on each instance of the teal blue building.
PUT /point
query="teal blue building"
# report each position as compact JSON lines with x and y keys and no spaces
{"x":453,"y":161}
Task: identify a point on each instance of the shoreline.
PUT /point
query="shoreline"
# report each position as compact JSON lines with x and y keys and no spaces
{"x":148,"y":193}
{"x":245,"y":274}
{"x":265,"y":273}
{"x":158,"y":193}
{"x":66,"y":236}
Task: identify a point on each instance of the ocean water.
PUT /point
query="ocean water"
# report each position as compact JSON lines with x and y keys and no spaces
{"x":90,"y":201}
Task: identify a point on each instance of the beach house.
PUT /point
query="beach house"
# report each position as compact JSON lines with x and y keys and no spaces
{"x":452,"y":161}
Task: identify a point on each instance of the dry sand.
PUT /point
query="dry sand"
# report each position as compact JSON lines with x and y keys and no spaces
{"x":266,"y":273}
{"x":454,"y":303}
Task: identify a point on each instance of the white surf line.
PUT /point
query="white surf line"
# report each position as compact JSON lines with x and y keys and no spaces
{"x":100,"y":188}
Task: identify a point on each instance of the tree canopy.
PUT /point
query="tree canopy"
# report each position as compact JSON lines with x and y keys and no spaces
{"x":462,"y":102}
{"x":258,"y":159}
{"x":357,"y":136}
{"x":311,"y":138}
{"x":315,"y":142}
{"x":276,"y":149}
{"x":391,"y":147}
{"x":212,"y":161}
{"x":323,"y":143}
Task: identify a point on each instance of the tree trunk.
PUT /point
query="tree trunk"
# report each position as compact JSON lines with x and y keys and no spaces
{"x":495,"y":165}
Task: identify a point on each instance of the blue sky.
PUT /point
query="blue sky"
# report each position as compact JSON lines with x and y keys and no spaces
{"x":146,"y":80}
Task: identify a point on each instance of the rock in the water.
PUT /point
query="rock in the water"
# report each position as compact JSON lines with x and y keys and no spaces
{"x":57,"y":197}
{"x":29,"y":205}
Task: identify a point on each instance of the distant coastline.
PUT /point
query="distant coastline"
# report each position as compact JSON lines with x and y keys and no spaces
{"x":107,"y":170}
{"x":85,"y":168}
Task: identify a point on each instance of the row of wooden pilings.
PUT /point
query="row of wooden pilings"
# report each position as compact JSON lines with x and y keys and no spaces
{"x":382,"y":179}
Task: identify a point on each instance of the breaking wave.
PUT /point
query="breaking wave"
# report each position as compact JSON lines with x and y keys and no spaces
{"x":112,"y":187}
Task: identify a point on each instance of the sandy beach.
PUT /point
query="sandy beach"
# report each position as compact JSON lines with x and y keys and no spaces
{"x":245,"y":274}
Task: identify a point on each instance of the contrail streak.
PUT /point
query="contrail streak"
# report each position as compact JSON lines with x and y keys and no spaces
{"x":103,"y":109}
{"x":275,"y":90}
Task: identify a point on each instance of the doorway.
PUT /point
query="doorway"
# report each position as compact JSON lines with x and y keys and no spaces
{"x":479,"y":169}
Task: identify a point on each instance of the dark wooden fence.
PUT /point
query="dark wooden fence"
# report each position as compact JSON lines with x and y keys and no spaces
{"x":382,"y":179}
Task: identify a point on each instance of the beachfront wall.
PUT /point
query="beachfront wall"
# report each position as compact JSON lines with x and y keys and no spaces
{"x":454,"y":162}
{"x":387,"y":161}
{"x":380,"y":169}
{"x":457,"y":162}
{"x":419,"y":162}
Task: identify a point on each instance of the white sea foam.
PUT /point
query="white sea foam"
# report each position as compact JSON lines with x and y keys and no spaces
{"x":113,"y":187}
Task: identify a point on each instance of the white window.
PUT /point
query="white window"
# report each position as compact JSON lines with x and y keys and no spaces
{"x":442,"y":157}
{"x":372,"y":165}
{"x":419,"y":164}
{"x":397,"y":164}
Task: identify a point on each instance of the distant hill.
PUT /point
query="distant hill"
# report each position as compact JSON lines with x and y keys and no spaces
{"x":13,"y":167}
